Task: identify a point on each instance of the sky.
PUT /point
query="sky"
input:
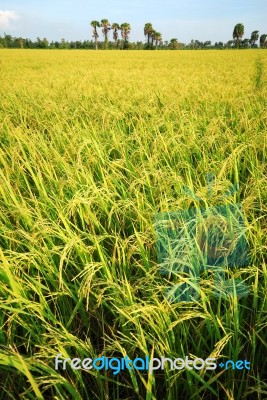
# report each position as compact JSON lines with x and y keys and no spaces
{"x":182,"y":19}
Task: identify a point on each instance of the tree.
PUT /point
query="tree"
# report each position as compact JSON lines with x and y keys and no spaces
{"x":139,"y":45}
{"x":238,"y":33}
{"x":198,"y":44}
{"x":116,"y":28}
{"x":42,"y":43}
{"x":8,"y":40}
{"x":106,"y":27}
{"x":63,"y":44}
{"x":152,"y":36}
{"x":148,"y":30}
{"x":174,"y":44}
{"x":125,"y":31}
{"x":21,"y":42}
{"x":158,"y":38}
{"x":245,"y":43}
{"x":192,"y":45}
{"x":229,"y":44}
{"x":88,"y":44}
{"x":218,"y":45}
{"x":95,"y":24}
{"x":254,"y":38}
{"x":263,"y":41}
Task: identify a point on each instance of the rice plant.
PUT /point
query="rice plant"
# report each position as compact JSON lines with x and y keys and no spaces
{"x":93,"y":146}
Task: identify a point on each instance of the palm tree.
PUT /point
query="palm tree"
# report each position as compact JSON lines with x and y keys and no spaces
{"x":95,"y":24}
{"x":174,"y":44}
{"x":125,"y":31}
{"x":148,"y":29}
{"x":115,"y":28}
{"x":158,"y":38}
{"x":152,"y":35}
{"x":254,"y":38}
{"x":106,"y":27}
{"x":238,"y":33}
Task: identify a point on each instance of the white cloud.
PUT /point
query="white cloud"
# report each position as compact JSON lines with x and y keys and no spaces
{"x":6,"y":17}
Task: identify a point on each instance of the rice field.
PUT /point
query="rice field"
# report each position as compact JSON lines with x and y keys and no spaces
{"x":93,"y":146}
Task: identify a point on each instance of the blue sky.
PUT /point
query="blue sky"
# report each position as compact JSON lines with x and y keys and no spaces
{"x":181,"y":19}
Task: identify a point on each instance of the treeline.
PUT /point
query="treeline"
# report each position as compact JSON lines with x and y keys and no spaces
{"x":21,"y":43}
{"x":121,"y":33}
